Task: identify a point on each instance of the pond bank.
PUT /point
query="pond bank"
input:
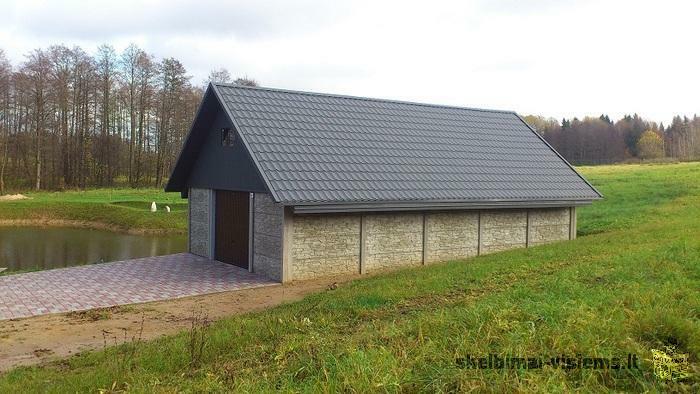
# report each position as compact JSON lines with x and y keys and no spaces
{"x":49,"y":222}
{"x":119,"y":210}
{"x":41,"y":248}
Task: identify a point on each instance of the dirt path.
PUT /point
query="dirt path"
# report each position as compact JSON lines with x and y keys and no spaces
{"x":43,"y":338}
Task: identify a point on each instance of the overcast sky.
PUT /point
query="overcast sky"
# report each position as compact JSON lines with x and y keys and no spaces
{"x":555,"y":58}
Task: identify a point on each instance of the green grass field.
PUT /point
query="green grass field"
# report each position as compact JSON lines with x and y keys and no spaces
{"x":121,"y":209}
{"x":629,"y":284}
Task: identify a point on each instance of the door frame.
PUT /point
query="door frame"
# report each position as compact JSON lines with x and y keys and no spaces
{"x":251,"y":230}
{"x":212,"y":224}
{"x":251,"y":222}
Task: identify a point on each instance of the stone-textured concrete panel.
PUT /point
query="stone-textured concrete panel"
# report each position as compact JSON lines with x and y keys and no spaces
{"x":330,"y":244}
{"x":393,"y":222}
{"x":318,"y":267}
{"x":268,"y":219}
{"x":549,"y":216}
{"x":392,"y":240}
{"x":502,"y":230}
{"x":200,"y":225}
{"x":325,"y":245}
{"x":451,"y":235}
{"x":549,"y":225}
{"x":545,"y":234}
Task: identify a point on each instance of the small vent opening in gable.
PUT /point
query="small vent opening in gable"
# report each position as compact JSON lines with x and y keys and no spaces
{"x":228,"y":137}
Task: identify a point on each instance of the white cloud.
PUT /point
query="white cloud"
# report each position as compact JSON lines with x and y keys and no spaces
{"x":556,"y":58}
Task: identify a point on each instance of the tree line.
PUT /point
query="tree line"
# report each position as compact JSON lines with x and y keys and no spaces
{"x":599,"y":140}
{"x":69,"y":119}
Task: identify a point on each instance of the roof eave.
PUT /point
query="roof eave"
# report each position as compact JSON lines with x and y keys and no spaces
{"x":433,"y":205}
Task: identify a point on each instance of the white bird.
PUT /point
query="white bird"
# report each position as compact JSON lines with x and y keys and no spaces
{"x":167,"y":208}
{"x":153,"y":207}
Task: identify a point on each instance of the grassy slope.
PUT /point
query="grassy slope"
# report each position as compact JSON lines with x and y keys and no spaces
{"x":125,"y":209}
{"x":629,"y":286}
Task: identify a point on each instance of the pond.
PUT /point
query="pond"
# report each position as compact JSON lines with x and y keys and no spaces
{"x":25,"y":248}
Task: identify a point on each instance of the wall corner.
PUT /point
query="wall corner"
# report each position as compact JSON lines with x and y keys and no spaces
{"x":201,"y":211}
{"x":287,"y":243}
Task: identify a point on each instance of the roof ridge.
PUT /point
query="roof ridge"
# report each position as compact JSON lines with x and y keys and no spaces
{"x":351,"y":97}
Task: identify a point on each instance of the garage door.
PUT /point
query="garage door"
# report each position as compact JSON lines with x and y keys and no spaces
{"x":231,"y":230}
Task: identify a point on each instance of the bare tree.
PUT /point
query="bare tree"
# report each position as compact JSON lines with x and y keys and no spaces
{"x":147,"y":71}
{"x":173,"y":83}
{"x":106,"y":69}
{"x":219,"y":75}
{"x":60,"y":84}
{"x":5,"y":77}
{"x":129,"y":70}
{"x":245,"y":81}
{"x":36,"y":70}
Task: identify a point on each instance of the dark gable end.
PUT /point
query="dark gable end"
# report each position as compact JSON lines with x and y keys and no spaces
{"x":322,"y":152}
{"x":206,"y":162}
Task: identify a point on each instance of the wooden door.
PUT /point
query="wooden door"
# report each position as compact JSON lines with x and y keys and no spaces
{"x":231,"y":227}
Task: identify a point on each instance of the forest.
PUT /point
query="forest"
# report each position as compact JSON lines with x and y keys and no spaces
{"x":74,"y":120}
{"x":599,"y":140}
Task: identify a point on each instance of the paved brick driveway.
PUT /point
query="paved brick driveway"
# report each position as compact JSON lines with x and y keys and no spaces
{"x":119,"y":283}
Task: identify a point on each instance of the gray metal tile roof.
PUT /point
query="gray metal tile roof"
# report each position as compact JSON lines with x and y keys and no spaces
{"x":317,"y":148}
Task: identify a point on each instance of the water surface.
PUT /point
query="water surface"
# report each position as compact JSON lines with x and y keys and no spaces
{"x":23,"y":248}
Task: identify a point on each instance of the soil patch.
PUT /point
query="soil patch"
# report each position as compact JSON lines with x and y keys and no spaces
{"x":13,"y":197}
{"x":39,"y":339}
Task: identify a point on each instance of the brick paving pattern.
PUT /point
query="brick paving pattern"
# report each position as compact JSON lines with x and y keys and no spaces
{"x":119,"y":283}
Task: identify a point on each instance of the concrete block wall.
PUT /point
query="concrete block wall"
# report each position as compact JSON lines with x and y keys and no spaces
{"x":268,"y":229}
{"x":200,"y":209}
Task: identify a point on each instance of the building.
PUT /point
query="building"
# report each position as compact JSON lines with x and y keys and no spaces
{"x":297,"y":185}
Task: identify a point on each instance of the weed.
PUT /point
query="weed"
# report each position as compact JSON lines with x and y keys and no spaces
{"x":197,"y":338}
{"x":124,"y":352}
